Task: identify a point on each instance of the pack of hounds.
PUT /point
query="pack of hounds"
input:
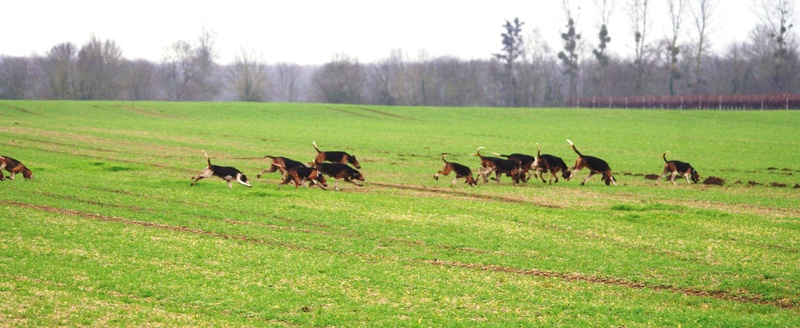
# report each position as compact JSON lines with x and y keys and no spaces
{"x":336,"y":165}
{"x":333,"y":164}
{"x":521,"y":168}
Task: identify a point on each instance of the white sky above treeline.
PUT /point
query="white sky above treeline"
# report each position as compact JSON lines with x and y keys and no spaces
{"x":314,"y":31}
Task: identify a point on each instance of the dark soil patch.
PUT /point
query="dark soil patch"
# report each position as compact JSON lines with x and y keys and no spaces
{"x":714,"y":181}
{"x":775,"y":184}
{"x":651,"y":177}
{"x":753,"y":183}
{"x":796,"y":186}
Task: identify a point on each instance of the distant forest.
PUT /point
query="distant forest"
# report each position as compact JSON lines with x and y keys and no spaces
{"x":522,"y":71}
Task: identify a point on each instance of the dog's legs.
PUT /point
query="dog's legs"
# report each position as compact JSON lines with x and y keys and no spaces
{"x":205,"y":174}
{"x":272,"y":168}
{"x":486,"y":172}
{"x":445,"y":171}
{"x":283,"y":182}
{"x":663,"y":174}
{"x":672,"y":179}
{"x":608,"y":178}
{"x":686,"y":175}
{"x":587,"y":178}
{"x":454,"y":182}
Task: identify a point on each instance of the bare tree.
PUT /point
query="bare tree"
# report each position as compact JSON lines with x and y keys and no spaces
{"x":99,"y":70}
{"x":340,"y":81}
{"x":569,"y":56}
{"x":140,"y":80}
{"x":287,"y":85}
{"x":387,"y":79}
{"x":248,"y":76}
{"x":190,"y":69}
{"x":604,"y":9}
{"x":14,"y":77}
{"x":422,"y":76}
{"x":513,"y":49}
{"x":638,"y":11}
{"x":676,"y":10}
{"x":777,"y":16}
{"x":59,"y":64}
{"x":702,"y":11}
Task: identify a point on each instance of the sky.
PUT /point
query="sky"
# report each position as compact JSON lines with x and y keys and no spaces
{"x":313,"y":32}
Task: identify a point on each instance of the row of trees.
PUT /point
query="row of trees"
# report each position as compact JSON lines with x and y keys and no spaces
{"x":525,"y":72}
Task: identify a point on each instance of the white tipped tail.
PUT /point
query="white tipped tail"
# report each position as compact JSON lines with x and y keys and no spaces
{"x":208,"y":160}
{"x":570,"y":142}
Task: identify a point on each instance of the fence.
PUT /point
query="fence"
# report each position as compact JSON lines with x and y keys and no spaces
{"x":721,"y":102}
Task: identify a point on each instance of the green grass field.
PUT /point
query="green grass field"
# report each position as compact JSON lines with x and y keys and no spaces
{"x":109,"y":232}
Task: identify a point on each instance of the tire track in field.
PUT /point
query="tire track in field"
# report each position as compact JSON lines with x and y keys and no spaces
{"x":465,"y":194}
{"x":721,"y":295}
{"x":783,"y":303}
{"x":146,"y":224}
{"x":138,"y":209}
{"x":20,"y":109}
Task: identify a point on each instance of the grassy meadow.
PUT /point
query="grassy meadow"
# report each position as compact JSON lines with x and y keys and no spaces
{"x":109,"y":232}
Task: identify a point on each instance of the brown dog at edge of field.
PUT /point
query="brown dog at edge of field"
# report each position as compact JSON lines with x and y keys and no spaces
{"x":13,"y":166}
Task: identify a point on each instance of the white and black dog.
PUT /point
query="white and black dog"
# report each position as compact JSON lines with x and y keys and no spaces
{"x":226,"y":173}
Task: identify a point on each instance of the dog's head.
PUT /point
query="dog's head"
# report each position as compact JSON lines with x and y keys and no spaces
{"x":319,"y":178}
{"x":471,"y":181}
{"x":27,"y":174}
{"x":241,"y":178}
{"x":695,"y":176}
{"x":352,"y":160}
{"x":357,"y":176}
{"x":566,"y":174}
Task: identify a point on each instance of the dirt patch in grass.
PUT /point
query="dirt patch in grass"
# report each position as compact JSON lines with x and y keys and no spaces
{"x":714,"y":181}
{"x":651,"y":177}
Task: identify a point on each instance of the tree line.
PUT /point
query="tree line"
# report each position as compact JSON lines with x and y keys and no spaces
{"x":524,"y":71}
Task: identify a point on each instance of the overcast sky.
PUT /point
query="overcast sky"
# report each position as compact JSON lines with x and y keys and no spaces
{"x":313,"y":31}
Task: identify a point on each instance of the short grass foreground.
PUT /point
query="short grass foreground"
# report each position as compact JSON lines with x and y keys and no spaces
{"x":109,"y":232}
